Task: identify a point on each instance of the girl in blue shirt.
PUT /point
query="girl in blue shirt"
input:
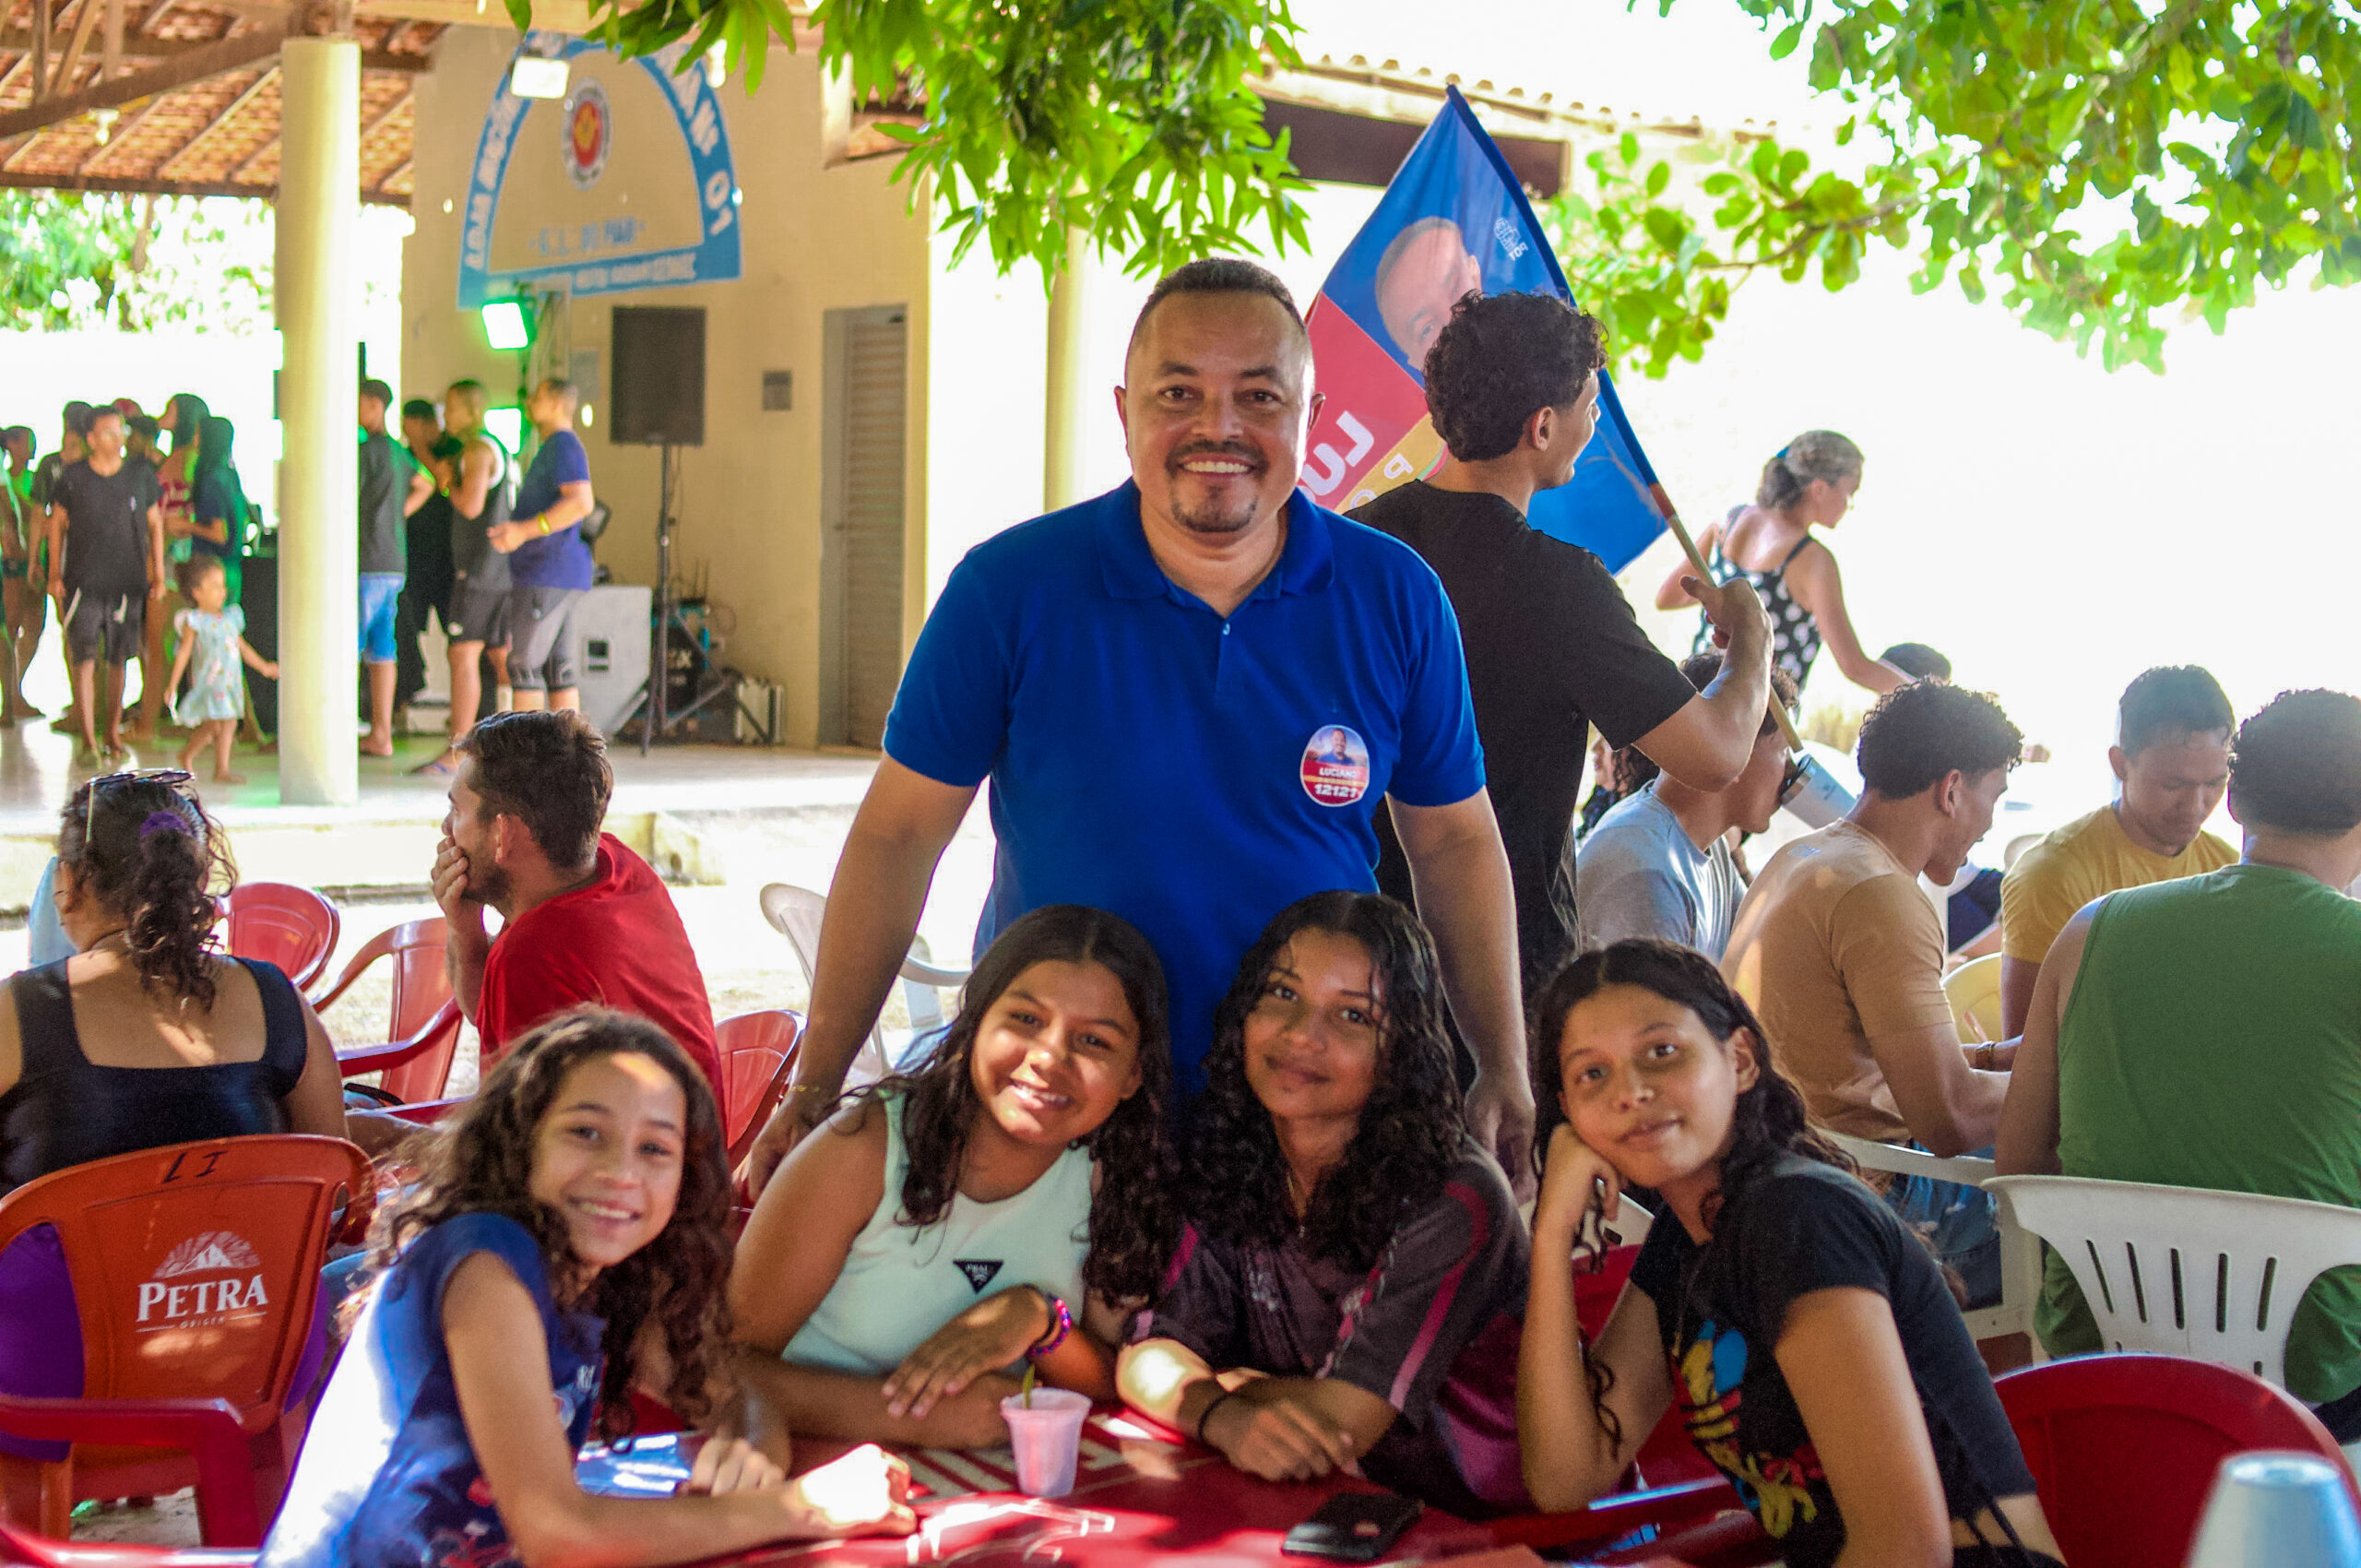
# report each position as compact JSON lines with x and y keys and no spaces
{"x":580,"y":1203}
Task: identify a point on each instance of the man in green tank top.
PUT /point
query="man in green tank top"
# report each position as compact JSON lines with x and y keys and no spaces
{"x":2206,"y":1032}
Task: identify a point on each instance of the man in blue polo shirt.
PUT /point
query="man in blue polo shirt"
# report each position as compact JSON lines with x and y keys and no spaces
{"x":1154,"y":681}
{"x":549,"y":560}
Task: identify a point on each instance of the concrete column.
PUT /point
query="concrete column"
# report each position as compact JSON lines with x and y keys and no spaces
{"x":319,"y":186}
{"x":1061,"y":467}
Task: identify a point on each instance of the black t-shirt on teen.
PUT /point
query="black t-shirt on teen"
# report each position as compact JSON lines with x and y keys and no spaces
{"x":1798,"y":1227}
{"x":107,"y":546}
{"x":1552,"y":648}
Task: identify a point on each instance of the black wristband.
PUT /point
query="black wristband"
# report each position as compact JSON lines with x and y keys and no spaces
{"x":1206,"y":1414}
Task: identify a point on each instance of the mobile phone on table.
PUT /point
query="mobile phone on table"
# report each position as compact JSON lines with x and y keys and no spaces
{"x":1358,"y":1526}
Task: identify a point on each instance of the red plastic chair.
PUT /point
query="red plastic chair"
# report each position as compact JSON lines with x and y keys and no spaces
{"x":757,"y":1056}
{"x":195,"y":1268}
{"x":422,"y":1024}
{"x":281,"y":923}
{"x":2123,"y":1449}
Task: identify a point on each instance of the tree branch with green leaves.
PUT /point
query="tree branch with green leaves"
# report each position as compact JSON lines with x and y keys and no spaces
{"x":2103,"y":163}
{"x":1130,"y":120}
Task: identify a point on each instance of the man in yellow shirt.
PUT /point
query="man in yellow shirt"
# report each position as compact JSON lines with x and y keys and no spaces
{"x":2172,"y":757}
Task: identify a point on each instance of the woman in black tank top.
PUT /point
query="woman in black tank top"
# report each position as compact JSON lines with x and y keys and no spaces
{"x":146,"y":1035}
{"x":1809,"y":484}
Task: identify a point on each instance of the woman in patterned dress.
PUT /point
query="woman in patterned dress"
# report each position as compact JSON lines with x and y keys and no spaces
{"x":1810,"y":483}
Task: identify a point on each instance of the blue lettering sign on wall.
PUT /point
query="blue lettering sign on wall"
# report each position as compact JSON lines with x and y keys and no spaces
{"x":603,"y":258}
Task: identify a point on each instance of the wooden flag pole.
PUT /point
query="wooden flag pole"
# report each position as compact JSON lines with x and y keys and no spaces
{"x":1704,"y":575}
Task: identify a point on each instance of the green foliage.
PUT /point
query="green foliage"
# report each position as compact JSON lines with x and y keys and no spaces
{"x":70,"y":260}
{"x":1129,"y":119}
{"x":2102,"y":161}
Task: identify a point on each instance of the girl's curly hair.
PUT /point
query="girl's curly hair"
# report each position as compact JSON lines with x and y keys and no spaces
{"x":1133,"y":1220}
{"x":1411,"y":1131}
{"x":1767,"y":1121}
{"x":149,"y":853}
{"x":481,"y":1162}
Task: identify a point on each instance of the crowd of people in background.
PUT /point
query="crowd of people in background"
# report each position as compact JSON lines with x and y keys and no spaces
{"x":138,"y":527}
{"x":1233,"y":1119}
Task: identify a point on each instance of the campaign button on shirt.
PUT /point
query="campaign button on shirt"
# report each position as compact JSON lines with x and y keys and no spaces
{"x":1336,"y":766}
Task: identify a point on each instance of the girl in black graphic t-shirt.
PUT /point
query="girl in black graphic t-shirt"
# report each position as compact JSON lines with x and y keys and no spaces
{"x":1817,"y":1356}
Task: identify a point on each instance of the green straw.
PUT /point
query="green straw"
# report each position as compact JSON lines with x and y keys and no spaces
{"x":1027,"y":1390}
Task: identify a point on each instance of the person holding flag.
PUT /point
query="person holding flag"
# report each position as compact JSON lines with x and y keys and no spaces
{"x":1194,"y":697}
{"x":1512,"y":384}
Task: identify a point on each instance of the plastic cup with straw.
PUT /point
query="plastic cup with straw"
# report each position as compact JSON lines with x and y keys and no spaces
{"x":1045,"y":1433}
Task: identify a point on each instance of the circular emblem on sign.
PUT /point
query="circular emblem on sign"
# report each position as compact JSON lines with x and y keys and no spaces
{"x":589,"y":133}
{"x":1336,"y":766}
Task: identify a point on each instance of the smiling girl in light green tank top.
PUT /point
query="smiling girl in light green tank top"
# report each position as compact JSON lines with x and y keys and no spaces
{"x":1003,"y":1203}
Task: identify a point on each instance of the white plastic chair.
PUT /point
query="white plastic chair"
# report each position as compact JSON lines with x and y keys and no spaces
{"x":2020,"y":1250}
{"x":795,"y":912}
{"x":2188,"y":1271}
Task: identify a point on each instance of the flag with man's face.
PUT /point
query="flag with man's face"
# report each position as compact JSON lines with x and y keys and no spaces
{"x":1454,"y":219}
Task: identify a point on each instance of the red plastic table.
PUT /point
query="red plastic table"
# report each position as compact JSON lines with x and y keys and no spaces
{"x":1139,"y":1499}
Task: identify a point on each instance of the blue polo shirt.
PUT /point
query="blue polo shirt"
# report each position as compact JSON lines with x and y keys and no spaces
{"x":562,"y":558}
{"x":1183,"y":771}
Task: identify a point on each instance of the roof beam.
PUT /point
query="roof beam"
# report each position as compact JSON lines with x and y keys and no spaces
{"x":137,"y":50}
{"x":83,"y":23}
{"x":222,"y":55}
{"x":169,"y":187}
{"x":369,"y":129}
{"x":111,"y":48}
{"x":229,"y":112}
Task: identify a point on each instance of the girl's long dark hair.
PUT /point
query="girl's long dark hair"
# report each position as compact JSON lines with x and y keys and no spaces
{"x":1769,"y":1119}
{"x":1411,"y":1131}
{"x":481,"y":1162}
{"x":189,"y":414}
{"x":217,"y":442}
{"x":1133,"y":1220}
{"x":151,"y":854}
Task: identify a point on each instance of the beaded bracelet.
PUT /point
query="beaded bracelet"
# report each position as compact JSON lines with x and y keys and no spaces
{"x":1061,"y":1324}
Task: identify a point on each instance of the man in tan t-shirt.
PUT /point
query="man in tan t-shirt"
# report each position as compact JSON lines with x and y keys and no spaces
{"x":2172,"y":757}
{"x":1841,"y":956}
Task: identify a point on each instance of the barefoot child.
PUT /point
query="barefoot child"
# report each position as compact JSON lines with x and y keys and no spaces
{"x":998,"y":1206}
{"x":1809,"y":1336}
{"x":567,"y":1241}
{"x":213,"y":641}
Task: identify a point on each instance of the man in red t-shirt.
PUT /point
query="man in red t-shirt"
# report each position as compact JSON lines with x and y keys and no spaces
{"x":584,"y":919}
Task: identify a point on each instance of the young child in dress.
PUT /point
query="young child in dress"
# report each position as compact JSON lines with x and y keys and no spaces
{"x":567,"y":1241}
{"x":212,"y":642}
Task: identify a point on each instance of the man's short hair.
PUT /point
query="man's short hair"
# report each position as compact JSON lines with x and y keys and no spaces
{"x":1919,"y":732}
{"x":99,"y":411}
{"x":419,"y":408}
{"x":1917,"y":660}
{"x":2171,"y":699}
{"x":23,"y":432}
{"x":2296,"y":766}
{"x":549,"y":769}
{"x":77,"y":417}
{"x":1702,"y":668}
{"x":470,"y":390}
{"x":144,"y":425}
{"x":1218,"y":275}
{"x":372,"y":388}
{"x":559,"y":387}
{"x":1499,"y":358}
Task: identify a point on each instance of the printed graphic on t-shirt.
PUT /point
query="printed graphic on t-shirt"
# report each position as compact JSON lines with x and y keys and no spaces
{"x":980,"y":1271}
{"x":1708,"y":1379}
{"x":1336,"y":766}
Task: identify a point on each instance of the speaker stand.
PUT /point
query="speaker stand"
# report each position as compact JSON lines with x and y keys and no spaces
{"x":650,"y":712}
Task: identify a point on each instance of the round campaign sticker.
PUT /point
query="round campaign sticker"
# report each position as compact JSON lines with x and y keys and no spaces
{"x":589,"y":134}
{"x":1336,"y":766}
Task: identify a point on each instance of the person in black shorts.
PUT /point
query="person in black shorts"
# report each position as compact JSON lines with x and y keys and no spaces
{"x":550,"y":566}
{"x":26,"y":607}
{"x":1552,"y":645}
{"x":426,"y":582}
{"x":106,"y":536}
{"x":482,"y":492}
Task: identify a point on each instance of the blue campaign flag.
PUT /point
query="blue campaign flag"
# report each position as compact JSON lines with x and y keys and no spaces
{"x":1454,"y":219}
